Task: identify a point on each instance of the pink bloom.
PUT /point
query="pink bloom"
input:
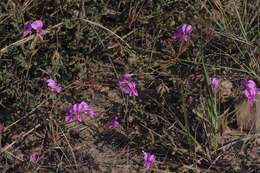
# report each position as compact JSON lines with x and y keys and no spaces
{"x":34,"y":158}
{"x":54,"y":86}
{"x":213,"y":83}
{"x":149,"y":159}
{"x":250,"y":90}
{"x":113,"y":123}
{"x":27,"y":29}
{"x":183,"y":32}
{"x":37,"y":25}
{"x":76,"y":111}
{"x":127,"y":85}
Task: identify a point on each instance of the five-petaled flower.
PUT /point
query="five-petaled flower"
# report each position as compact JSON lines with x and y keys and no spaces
{"x":76,"y":111}
{"x":149,"y":159}
{"x":182,"y":33}
{"x":113,"y":123}
{"x":250,"y":90}
{"x":33,"y":157}
{"x":37,"y":25}
{"x":53,"y":85}
{"x":213,"y":83}
{"x":127,"y":85}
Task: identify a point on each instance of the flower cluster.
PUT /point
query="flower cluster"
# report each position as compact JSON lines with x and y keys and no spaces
{"x":54,"y":86}
{"x":127,"y":85}
{"x":248,"y":86}
{"x":76,"y":111}
{"x":182,"y":33}
{"x":250,"y":90}
{"x":37,"y":25}
{"x":149,"y":159}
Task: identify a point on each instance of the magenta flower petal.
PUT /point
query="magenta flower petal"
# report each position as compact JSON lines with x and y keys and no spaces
{"x":37,"y":24}
{"x":127,"y":85}
{"x":38,"y":27}
{"x":250,"y":90}
{"x":69,"y":118}
{"x":79,"y":118}
{"x":113,"y":123}
{"x":182,"y":33}
{"x":213,"y":83}
{"x":76,"y":111}
{"x":34,"y":158}
{"x":84,"y":107}
{"x":54,"y":86}
{"x":188,"y":29}
{"x":149,"y":159}
{"x":27,"y":29}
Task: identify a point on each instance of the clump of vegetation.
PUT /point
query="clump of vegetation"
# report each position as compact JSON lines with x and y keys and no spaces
{"x":133,"y":86}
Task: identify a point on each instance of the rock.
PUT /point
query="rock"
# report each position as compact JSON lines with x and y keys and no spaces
{"x":225,"y":90}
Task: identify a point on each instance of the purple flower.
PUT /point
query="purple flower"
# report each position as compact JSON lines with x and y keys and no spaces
{"x":54,"y":86}
{"x":27,"y":29}
{"x":37,"y":26}
{"x":149,"y":159}
{"x":113,"y":123}
{"x":183,"y":32}
{"x":127,"y":85}
{"x":213,"y":83}
{"x":34,"y":158}
{"x":76,"y":111}
{"x":250,"y":90}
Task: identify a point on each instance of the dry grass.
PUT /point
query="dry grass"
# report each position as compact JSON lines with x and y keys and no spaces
{"x":87,"y":45}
